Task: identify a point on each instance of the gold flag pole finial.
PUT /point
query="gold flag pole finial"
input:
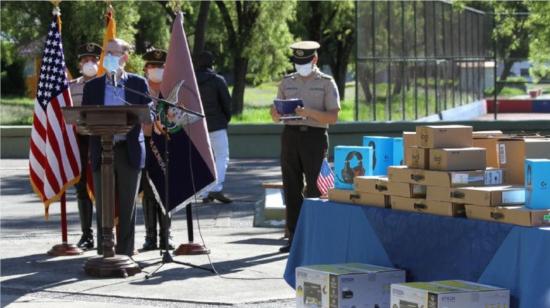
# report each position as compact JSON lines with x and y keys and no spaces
{"x":55,"y":4}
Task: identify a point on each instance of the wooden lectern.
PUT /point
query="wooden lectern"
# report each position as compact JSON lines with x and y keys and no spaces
{"x":106,"y":121}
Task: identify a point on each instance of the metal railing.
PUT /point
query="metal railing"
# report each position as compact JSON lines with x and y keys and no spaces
{"x":415,"y":59}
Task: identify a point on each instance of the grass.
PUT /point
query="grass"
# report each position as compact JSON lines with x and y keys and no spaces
{"x":16,"y":110}
{"x":257,"y":100}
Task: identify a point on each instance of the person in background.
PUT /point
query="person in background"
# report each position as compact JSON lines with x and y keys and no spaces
{"x":216,"y":102}
{"x":304,"y":143}
{"x":88,"y":57}
{"x":152,"y":211}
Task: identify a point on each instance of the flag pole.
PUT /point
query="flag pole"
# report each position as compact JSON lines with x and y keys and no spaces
{"x":63,"y":249}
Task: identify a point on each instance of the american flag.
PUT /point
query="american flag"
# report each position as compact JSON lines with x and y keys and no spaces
{"x":54,"y":159}
{"x":325,"y":180}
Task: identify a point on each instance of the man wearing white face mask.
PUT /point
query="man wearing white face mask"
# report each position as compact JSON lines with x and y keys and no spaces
{"x":304,"y":143}
{"x":117,"y":88}
{"x":154,"y":69}
{"x":88,"y":56}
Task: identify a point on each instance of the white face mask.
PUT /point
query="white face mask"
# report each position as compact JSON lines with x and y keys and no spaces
{"x":155,"y":74}
{"x":89,"y":69}
{"x":111,"y":63}
{"x":304,"y":70}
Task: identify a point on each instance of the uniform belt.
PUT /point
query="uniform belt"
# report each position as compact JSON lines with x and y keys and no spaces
{"x":305,"y":128}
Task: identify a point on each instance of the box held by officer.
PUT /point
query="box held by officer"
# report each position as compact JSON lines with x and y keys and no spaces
{"x":448,"y":294}
{"x":345,"y":285}
{"x":444,"y":136}
{"x":457,"y":159}
{"x":490,"y":195}
{"x":516,"y":215}
{"x":349,"y":162}
{"x":537,"y":183}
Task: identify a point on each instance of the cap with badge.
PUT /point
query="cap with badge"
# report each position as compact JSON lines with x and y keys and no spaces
{"x":89,"y":49}
{"x":304,"y":51}
{"x":155,"y":56}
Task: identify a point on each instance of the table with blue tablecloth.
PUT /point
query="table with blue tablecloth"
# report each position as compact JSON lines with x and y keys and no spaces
{"x":428,"y":247}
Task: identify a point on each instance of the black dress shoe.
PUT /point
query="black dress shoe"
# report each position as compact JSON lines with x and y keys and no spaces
{"x":218,"y":195}
{"x":285,"y":249}
{"x":86,"y":242}
{"x":149,"y":244}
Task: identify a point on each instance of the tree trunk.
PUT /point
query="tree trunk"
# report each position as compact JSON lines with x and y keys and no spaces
{"x":398,"y":79}
{"x":503,"y":76}
{"x":362,"y":76}
{"x":200,"y":29}
{"x":240,"y":68}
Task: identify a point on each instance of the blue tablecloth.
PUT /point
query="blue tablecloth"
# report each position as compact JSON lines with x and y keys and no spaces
{"x":428,"y":247}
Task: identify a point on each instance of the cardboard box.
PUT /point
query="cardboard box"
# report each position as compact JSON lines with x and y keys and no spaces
{"x":487,"y":134}
{"x":345,"y":285}
{"x":448,"y":294}
{"x":490,"y":195}
{"x":418,"y":158}
{"x":398,"y":152}
{"x":444,"y":136}
{"x":407,"y":190}
{"x":537,"y":182}
{"x":516,"y":215}
{"x":409,"y":140}
{"x":439,"y":193}
{"x":464,"y":178}
{"x":445,"y":178}
{"x":375,"y":184}
{"x":427,"y":206}
{"x":404,"y":174}
{"x":513,"y":152}
{"x":382,"y":153}
{"x":359,"y":198}
{"x":457,"y":159}
{"x":349,"y":162}
{"x":491,"y":153}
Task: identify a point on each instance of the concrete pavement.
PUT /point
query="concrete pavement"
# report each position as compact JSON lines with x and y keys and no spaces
{"x":246,"y":258}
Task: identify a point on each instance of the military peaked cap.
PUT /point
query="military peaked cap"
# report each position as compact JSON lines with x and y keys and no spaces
{"x":303,"y":52}
{"x":155,"y":56}
{"x":89,"y":49}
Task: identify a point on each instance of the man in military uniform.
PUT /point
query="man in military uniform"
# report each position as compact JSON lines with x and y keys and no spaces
{"x":154,"y":69}
{"x":88,"y":57}
{"x":304,"y":143}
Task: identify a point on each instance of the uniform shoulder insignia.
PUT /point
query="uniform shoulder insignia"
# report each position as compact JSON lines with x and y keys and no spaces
{"x":291,"y":75}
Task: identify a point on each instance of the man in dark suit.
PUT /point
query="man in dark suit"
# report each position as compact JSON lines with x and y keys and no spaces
{"x":129,"y":149}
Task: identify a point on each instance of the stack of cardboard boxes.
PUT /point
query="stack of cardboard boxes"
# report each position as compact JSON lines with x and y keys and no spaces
{"x":439,"y":159}
{"x":452,"y":171}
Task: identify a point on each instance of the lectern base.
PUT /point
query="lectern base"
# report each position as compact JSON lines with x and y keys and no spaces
{"x":191,"y":249}
{"x":64,"y":250}
{"x":117,"y":266}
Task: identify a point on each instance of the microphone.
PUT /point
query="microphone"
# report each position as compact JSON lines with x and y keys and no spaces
{"x":113,"y":78}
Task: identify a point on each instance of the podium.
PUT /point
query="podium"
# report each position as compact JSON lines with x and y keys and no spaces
{"x":106,"y":121}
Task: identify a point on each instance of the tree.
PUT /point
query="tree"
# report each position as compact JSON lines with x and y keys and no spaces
{"x":539,"y":46}
{"x":257,"y":45}
{"x":332,"y":24}
{"x":200,"y":27}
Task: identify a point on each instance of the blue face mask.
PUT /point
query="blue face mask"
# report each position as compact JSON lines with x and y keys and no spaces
{"x":111,"y":63}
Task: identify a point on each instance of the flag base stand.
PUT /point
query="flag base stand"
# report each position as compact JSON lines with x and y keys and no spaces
{"x":116,"y":266}
{"x":191,"y":249}
{"x":64,"y":250}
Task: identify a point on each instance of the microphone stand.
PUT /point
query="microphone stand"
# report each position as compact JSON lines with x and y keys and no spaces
{"x":166,"y":257}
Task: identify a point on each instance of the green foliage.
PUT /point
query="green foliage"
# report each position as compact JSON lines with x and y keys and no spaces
{"x":12,"y":82}
{"x":16,"y":110}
